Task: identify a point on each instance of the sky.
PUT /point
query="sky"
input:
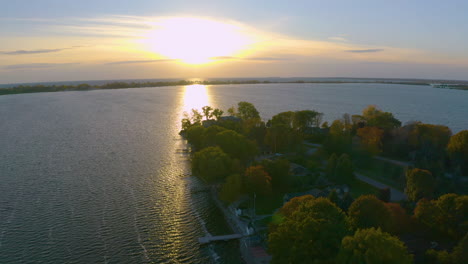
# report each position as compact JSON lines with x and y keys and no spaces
{"x":71,"y":40}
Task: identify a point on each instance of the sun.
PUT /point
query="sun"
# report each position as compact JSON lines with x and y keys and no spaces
{"x":196,"y":40}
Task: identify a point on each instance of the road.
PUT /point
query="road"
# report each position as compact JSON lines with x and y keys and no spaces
{"x":396,"y":195}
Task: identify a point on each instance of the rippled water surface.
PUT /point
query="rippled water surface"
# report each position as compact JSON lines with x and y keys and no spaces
{"x":102,"y":176}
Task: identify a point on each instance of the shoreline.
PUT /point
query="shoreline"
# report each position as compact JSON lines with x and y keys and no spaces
{"x":23,"y":89}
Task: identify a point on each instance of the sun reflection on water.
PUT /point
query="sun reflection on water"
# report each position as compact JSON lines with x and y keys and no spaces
{"x":195,"y":97}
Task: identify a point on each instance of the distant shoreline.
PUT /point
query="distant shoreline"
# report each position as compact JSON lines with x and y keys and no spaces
{"x":40,"y":88}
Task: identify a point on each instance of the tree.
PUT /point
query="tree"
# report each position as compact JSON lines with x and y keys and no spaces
{"x":279,"y":172}
{"x":378,"y":118}
{"x":283,"y":119}
{"x":257,"y":181}
{"x":217,"y":113}
{"x":306,"y":118}
{"x":371,"y":139}
{"x":344,"y":169}
{"x":207,"y":112}
{"x":460,"y":252}
{"x":247,"y":111}
{"x":384,"y":195}
{"x":419,"y":184}
{"x":211,"y":164}
{"x":333,"y":197}
{"x":293,"y":205}
{"x":346,"y":201}
{"x":368,"y":211}
{"x":429,"y":143}
{"x":232,"y":188}
{"x":445,"y":216}
{"x":194,"y":135}
{"x":236,"y":145}
{"x":330,"y":169}
{"x":372,"y":246}
{"x":458,"y":150}
{"x":282,"y":138}
{"x":312,"y":234}
{"x":400,"y":219}
{"x":338,"y":139}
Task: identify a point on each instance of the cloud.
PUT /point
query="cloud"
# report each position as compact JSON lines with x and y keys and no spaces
{"x":249,"y":58}
{"x":37,"y":65}
{"x":139,"y":61}
{"x":365,"y":50}
{"x":342,"y":39}
{"x":37,"y":51}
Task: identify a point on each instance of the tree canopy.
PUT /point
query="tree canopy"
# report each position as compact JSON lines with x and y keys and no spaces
{"x":372,"y":246}
{"x":312,"y":234}
{"x":458,"y":150}
{"x":378,"y":118}
{"x":419,"y":184}
{"x":211,"y":164}
{"x":368,"y":211}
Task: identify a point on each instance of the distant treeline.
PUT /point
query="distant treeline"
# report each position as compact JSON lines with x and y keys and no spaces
{"x":39,"y":88}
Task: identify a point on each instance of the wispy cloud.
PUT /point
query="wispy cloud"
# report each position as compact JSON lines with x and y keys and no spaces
{"x":37,"y":65}
{"x":37,"y":51}
{"x":250,"y":58}
{"x":139,"y":61}
{"x":365,"y":50}
{"x":342,"y":39}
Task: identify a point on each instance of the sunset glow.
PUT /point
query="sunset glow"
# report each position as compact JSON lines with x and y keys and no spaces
{"x":196,"y":40}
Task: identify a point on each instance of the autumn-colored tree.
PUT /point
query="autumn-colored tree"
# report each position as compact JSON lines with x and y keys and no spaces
{"x":312,"y":234}
{"x":368,"y":211}
{"x":211,"y":164}
{"x":460,"y":252}
{"x":372,"y":246}
{"x":400,"y":219}
{"x":419,"y":184}
{"x":371,"y":139}
{"x":257,"y":181}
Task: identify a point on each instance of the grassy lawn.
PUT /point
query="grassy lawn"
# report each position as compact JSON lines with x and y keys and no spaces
{"x":358,"y":188}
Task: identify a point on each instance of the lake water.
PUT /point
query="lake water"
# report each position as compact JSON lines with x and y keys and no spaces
{"x":103,"y":176}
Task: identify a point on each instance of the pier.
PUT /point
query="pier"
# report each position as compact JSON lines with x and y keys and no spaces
{"x":209,"y":239}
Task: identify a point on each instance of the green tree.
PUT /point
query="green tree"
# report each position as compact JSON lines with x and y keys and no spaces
{"x":232,"y":188}
{"x":207,"y":112}
{"x":446,"y":216}
{"x":311,"y":235}
{"x":257,"y":181}
{"x":279,"y":172}
{"x":378,"y":118}
{"x":458,"y":150}
{"x":419,"y":184}
{"x":368,"y":211}
{"x":460,"y":252}
{"x":236,"y":145}
{"x":195,"y":136}
{"x":217,"y":113}
{"x":372,"y":246}
{"x":211,"y":164}
{"x":330,"y":169}
{"x":338,"y":138}
{"x":306,"y":118}
{"x":247,"y":111}
{"x":344,"y":169}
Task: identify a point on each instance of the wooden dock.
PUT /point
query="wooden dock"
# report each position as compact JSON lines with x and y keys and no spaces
{"x":209,"y":239}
